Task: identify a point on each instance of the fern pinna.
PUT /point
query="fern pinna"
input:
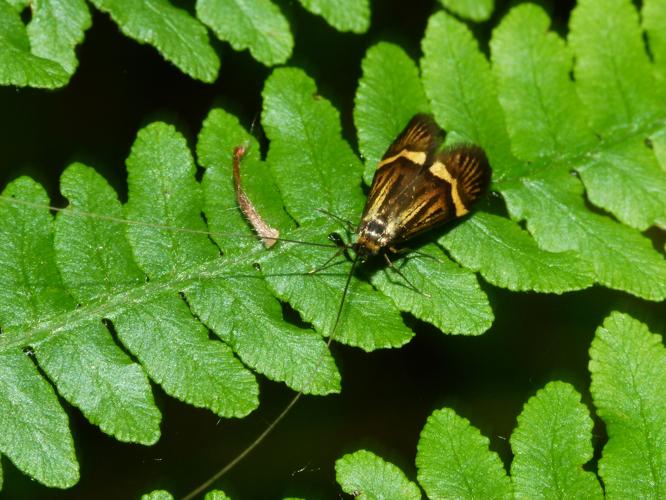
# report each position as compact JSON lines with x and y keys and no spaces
{"x":108,"y":297}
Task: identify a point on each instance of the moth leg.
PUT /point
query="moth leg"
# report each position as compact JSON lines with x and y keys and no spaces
{"x":350,"y":227}
{"x":329,"y":262}
{"x":337,"y":239}
{"x":404,"y":250}
{"x":397,"y":270}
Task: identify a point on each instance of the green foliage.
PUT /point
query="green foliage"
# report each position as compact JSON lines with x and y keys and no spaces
{"x":475,"y":10}
{"x":453,"y":460}
{"x":343,"y":15}
{"x":461,"y":89}
{"x":216,"y":495}
{"x":75,"y":287}
{"x":305,"y":137}
{"x":389,"y":94}
{"x":157,"y":495}
{"x":258,"y":333}
{"x":553,"y":439}
{"x":56,"y":27}
{"x":628,"y":366}
{"x":365,"y":476}
{"x":509,"y":258}
{"x":255,"y":25}
{"x":179,"y":37}
{"x":455,"y":302}
{"x":34,"y":433}
{"x":551,"y":444}
{"x":41,"y":55}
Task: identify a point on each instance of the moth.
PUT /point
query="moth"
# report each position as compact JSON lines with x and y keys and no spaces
{"x":417,"y":187}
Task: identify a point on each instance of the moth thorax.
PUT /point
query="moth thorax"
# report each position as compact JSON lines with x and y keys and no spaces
{"x":372,"y":237}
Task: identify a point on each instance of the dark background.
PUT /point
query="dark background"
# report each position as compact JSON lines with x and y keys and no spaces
{"x":387,"y":395}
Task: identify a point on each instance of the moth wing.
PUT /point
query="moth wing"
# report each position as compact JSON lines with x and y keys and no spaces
{"x":467,"y":169}
{"x":421,"y":137}
{"x":404,"y":161}
{"x":455,"y":180}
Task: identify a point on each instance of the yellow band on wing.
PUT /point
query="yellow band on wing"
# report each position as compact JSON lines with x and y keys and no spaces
{"x":418,"y":157}
{"x":438,"y":169}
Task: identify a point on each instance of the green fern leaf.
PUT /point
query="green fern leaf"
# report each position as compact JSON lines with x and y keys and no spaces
{"x":343,"y":15}
{"x":366,"y":476}
{"x":558,"y":218}
{"x":475,"y":10}
{"x":177,"y":353}
{"x":18,"y":65}
{"x":389,"y":93}
{"x":216,"y":495}
{"x":451,"y":60}
{"x":181,"y":39}
{"x":256,"y":331}
{"x":552,"y":442}
{"x":619,"y":173}
{"x":509,"y":258}
{"x":453,"y":300}
{"x":453,"y":460}
{"x":71,"y":344}
{"x":460,"y":87}
{"x":157,"y":495}
{"x":163,"y":290}
{"x":256,"y":25}
{"x":34,"y":432}
{"x":654,"y":19}
{"x":307,"y":153}
{"x":82,"y":358}
{"x":545,"y":117}
{"x":55,"y":29}
{"x":317,"y":297}
{"x":628,"y":367}
{"x":613,"y":99}
{"x":623,"y":107}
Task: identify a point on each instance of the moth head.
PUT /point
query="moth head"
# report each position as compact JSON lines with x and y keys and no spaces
{"x":364,"y":249}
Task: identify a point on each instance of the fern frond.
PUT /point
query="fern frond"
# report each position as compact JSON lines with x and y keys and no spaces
{"x":108,"y":306}
{"x":553,"y":439}
{"x":550,"y":131}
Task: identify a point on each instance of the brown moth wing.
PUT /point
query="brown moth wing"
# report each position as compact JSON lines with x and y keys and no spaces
{"x":415,"y":146}
{"x":466,"y":168}
{"x":418,"y":142}
{"x":454,"y":181}
{"x":406,"y":199}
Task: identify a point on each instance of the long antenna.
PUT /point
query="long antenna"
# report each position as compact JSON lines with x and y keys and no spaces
{"x":131,"y":222}
{"x":206,"y":484}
